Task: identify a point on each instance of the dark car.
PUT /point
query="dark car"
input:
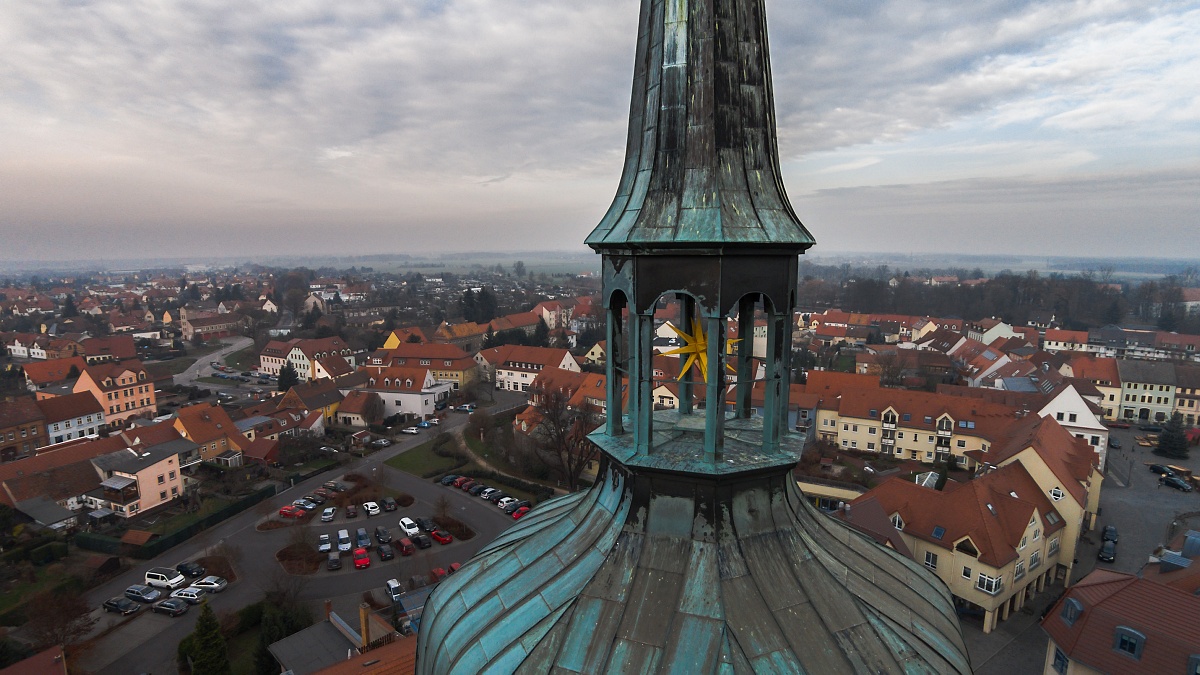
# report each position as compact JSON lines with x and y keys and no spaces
{"x":496,"y":496}
{"x":1161,"y":470}
{"x":476,"y":489}
{"x":386,"y":552}
{"x":171,"y":606}
{"x":1114,"y":443}
{"x":426,"y":524}
{"x":516,"y":505}
{"x":1152,"y":428}
{"x":422,"y":540}
{"x":1107,"y":552}
{"x":467,"y":485}
{"x":334,"y":485}
{"x":1175,"y":482}
{"x":1109,"y":534}
{"x":351,"y":511}
{"x":382,"y":535}
{"x":142,"y":593}
{"x":315,"y":498}
{"x":389,"y":503}
{"x":190,"y":569}
{"x":334,"y":561}
{"x":448,"y":479}
{"x":122,"y":605}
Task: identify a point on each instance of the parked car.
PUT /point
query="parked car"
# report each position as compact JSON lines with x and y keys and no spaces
{"x":1161,"y":470}
{"x":371,"y":508}
{"x":441,"y":536}
{"x":426,"y":524}
{"x":520,"y":512}
{"x":1152,"y":428}
{"x":1109,"y":533}
{"x":142,"y":593}
{"x":410,"y":528}
{"x":361,"y":538}
{"x":343,"y":541}
{"x":469,"y":407}
{"x":410,"y":430}
{"x":334,"y":485}
{"x":330,"y":450}
{"x":1107,"y":552}
{"x":406,"y":546}
{"x":1175,"y":482}
{"x":171,"y":607}
{"x":191,"y":594}
{"x":1114,"y":443}
{"x":351,"y":511}
{"x":516,"y":505}
{"x":458,"y":482}
{"x":488,"y":492}
{"x":389,"y":503}
{"x":495,"y":497}
{"x":382,"y":535}
{"x":122,"y":605}
{"x":503,"y":502}
{"x":422,"y":425}
{"x":165,"y":577}
{"x":315,"y":499}
{"x":394,"y":590}
{"x":449,"y":479}
{"x":211,"y":584}
{"x":467,"y":485}
{"x":477,"y":489}
{"x":386,"y":552}
{"x":362,"y":559}
{"x":305,"y":504}
{"x":381,"y":443}
{"x":1119,"y":425}
{"x":190,"y":569}
{"x":454,"y":567}
{"x":324,"y":492}
{"x":422,"y":541}
{"x":328,"y":514}
{"x":437,"y":574}
{"x":324,"y":544}
{"x":291,"y":511}
{"x":334,"y":561}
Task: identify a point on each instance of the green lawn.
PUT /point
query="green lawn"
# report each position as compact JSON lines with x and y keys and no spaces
{"x":182,"y":520}
{"x":420,"y":461}
{"x":21,"y":590}
{"x":319,"y":463}
{"x":241,"y":652}
{"x":244,"y":359}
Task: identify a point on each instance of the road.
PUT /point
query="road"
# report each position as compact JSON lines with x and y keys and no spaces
{"x":146,"y":643}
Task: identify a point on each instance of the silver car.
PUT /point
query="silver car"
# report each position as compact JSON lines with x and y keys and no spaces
{"x":211,"y":584}
{"x":191,"y":594}
{"x":324,"y":544}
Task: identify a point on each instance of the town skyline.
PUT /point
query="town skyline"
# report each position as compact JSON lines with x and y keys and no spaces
{"x":1021,"y":128}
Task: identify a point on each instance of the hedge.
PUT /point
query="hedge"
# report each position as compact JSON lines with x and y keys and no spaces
{"x":48,"y":553}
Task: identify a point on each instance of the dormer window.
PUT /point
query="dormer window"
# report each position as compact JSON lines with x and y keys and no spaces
{"x":1071,"y":611}
{"x":1129,"y":642}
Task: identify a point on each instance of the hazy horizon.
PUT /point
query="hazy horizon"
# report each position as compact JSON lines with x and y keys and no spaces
{"x":136,"y":129}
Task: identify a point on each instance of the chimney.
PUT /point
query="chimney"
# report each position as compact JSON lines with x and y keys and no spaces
{"x":364,"y":624}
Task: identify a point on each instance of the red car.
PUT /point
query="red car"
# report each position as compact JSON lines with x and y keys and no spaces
{"x":441,"y":536}
{"x":454,"y":567}
{"x":460,"y":480}
{"x":292,"y":511}
{"x":437,"y":573}
{"x":520,"y":512}
{"x":361,"y":559}
{"x":467,"y":485}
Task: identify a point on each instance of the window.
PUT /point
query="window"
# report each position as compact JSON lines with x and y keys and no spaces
{"x":966,"y":572}
{"x":1056,"y":493}
{"x":172,"y":475}
{"x":898,"y":522}
{"x":1058,"y":416}
{"x":1129,"y":641}
{"x":1019,"y":571}
{"x":1035,"y":560}
{"x":1071,"y":611}
{"x":962,"y":443}
{"x":931,"y":560}
{"x":1061,"y":663}
{"x":1071,"y":417}
{"x":1053,"y":548}
{"x":162,"y":496}
{"x":1193,"y":665}
{"x":161,"y":480}
{"x":1037,"y":534}
{"x":989,"y":585}
{"x":1023,"y":542}
{"x":174,"y":491}
{"x":870,"y":430}
{"x":907,"y":417}
{"x":939,"y":532}
{"x":845,"y":427}
{"x":870,"y":446}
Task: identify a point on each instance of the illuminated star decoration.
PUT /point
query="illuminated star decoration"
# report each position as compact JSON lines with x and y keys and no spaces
{"x":696,"y":348}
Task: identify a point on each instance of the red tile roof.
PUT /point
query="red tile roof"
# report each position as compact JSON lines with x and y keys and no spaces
{"x":52,"y":371}
{"x":70,"y":406}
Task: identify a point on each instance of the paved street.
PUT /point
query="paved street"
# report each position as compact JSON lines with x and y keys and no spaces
{"x":146,"y":643}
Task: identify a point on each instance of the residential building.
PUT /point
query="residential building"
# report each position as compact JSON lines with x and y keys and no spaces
{"x":995,"y":540}
{"x":1103,"y":373}
{"x":467,"y":336}
{"x":1147,"y":390}
{"x":210,"y":427}
{"x":1058,"y":340}
{"x":134,"y":481}
{"x":403,"y":336}
{"x":22,"y":428}
{"x":516,"y":366}
{"x":71,"y":416}
{"x":1187,"y":393}
{"x":446,"y":363}
{"x":361,"y":408}
{"x":112,"y":348}
{"x":406,"y":390}
{"x":45,"y":374}
{"x":212,"y":327}
{"x":124,"y":388}
{"x":596,"y":355}
{"x":1112,"y":622}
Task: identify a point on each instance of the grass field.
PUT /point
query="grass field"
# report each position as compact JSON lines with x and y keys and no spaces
{"x":243,"y":359}
{"x":182,"y":520}
{"x":420,"y":461}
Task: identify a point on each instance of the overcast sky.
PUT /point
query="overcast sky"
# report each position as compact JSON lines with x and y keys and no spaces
{"x":213,"y":126}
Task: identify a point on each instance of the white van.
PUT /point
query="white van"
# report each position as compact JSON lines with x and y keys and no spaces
{"x":394,"y":590}
{"x":165,"y":577}
{"x":343,"y":541}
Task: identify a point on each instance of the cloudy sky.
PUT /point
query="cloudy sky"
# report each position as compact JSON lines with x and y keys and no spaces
{"x":213,"y":126}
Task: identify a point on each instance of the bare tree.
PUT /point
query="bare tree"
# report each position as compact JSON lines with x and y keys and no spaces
{"x":561,"y":435}
{"x":891,"y":367}
{"x":61,"y":618}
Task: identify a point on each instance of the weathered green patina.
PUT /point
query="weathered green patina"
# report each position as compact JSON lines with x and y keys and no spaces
{"x":695,"y":552}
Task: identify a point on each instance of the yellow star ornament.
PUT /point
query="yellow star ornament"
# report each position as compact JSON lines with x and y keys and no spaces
{"x":696,"y":348}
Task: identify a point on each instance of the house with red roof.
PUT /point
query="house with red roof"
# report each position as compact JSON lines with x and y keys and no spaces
{"x":995,"y":541}
{"x":124,"y":388}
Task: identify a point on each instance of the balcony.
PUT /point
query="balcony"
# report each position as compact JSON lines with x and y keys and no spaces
{"x":990,"y":586}
{"x":887,"y":441}
{"x":945,"y":433}
{"x":889,"y":425}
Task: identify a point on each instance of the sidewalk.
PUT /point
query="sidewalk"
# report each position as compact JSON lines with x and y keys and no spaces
{"x":1016,"y":646}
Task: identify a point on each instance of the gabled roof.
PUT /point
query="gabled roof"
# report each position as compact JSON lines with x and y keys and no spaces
{"x":1071,"y":459}
{"x":61,"y":454}
{"x":316,"y":394}
{"x":70,"y":406}
{"x":21,"y":410}
{"x":120,"y":347}
{"x":52,"y":371}
{"x":1097,"y":369}
{"x":154,"y":434}
{"x":206,"y":423}
{"x":397,"y":378}
{"x":357,"y":401}
{"x":427,"y":350}
{"x":55,"y":482}
{"x":335,"y":365}
{"x":1168,"y":618}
